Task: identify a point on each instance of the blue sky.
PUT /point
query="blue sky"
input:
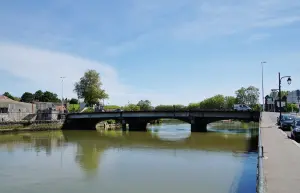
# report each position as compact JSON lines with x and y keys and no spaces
{"x":165,"y":51}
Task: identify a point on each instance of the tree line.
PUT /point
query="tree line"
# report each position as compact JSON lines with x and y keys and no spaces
{"x":89,"y":89}
{"x":39,"y":96}
{"x":243,"y":95}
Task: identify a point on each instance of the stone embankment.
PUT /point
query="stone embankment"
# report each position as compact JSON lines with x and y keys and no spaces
{"x":30,"y":126}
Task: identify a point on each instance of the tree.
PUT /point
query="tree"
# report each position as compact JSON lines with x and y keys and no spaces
{"x":72,"y":108}
{"x":229,"y":102}
{"x":38,"y":95}
{"x":131,"y":107}
{"x":193,"y":106}
{"x":164,"y":108}
{"x":111,"y":107}
{"x":292,"y":107}
{"x":252,"y":95}
{"x":50,"y":97}
{"x":73,"y":101}
{"x":215,"y":102}
{"x":89,"y":88}
{"x":179,"y":107}
{"x":247,"y":96}
{"x":145,"y":105}
{"x":27,"y":97}
{"x":241,"y":96}
{"x":8,"y":95}
{"x":176,"y":107}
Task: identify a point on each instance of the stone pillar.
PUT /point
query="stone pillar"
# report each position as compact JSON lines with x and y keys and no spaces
{"x":199,"y":125}
{"x":123,"y":125}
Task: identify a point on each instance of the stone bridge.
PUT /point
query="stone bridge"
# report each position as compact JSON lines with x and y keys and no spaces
{"x":138,"y":120}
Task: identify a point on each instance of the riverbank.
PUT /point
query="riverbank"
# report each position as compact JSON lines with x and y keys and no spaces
{"x":32,"y":127}
{"x":227,"y":124}
{"x":48,"y":126}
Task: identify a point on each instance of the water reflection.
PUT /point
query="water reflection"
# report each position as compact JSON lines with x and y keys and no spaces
{"x":137,"y":162}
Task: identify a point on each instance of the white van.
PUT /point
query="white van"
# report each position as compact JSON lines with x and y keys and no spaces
{"x":241,"y":107}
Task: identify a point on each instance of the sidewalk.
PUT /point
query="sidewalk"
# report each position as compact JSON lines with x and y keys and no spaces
{"x":282,"y":158}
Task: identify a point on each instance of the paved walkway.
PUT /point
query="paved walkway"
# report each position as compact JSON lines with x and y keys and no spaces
{"x":282,"y":158}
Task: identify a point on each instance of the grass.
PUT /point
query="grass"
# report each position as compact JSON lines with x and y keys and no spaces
{"x":234,"y":125}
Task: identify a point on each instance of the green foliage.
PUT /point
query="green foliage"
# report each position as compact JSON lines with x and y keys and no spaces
{"x":145,"y":105}
{"x":247,"y":96}
{"x":89,"y":110}
{"x":179,"y":107}
{"x":164,"y":108}
{"x":176,"y":107}
{"x":38,"y":95}
{"x":131,"y":107}
{"x":292,"y":107}
{"x":215,"y":102}
{"x":73,"y":101}
{"x":89,"y":88}
{"x":256,"y":107}
{"x":49,"y":97}
{"x":8,"y":95}
{"x":229,"y":102}
{"x":27,"y":97}
{"x":72,"y":108}
{"x":284,"y":94}
{"x":111,"y":107}
{"x":193,"y":106}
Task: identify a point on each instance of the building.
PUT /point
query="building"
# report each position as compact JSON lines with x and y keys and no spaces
{"x":294,"y":97}
{"x":49,"y":110}
{"x":11,"y":110}
{"x":272,"y":100}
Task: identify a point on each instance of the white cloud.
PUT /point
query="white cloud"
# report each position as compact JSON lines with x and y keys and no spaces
{"x":216,"y":18}
{"x":257,"y":37}
{"x":43,"y":68}
{"x":203,"y":20}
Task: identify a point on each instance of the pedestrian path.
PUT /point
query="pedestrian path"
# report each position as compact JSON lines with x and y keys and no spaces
{"x":281,"y":162}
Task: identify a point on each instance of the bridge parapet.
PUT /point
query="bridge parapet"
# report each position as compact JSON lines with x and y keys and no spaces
{"x":141,"y":118}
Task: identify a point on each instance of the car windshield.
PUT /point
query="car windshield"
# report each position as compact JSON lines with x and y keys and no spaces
{"x":286,"y":118}
{"x":298,"y":123}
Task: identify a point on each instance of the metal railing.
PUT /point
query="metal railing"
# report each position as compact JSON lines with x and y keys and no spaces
{"x":260,"y":185}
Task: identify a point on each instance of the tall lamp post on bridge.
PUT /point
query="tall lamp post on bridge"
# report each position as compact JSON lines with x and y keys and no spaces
{"x":262,"y":84}
{"x":62,"y":91}
{"x":289,"y":81}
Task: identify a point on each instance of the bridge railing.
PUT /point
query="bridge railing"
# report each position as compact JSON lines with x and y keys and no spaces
{"x":176,"y":110}
{"x":260,"y":170}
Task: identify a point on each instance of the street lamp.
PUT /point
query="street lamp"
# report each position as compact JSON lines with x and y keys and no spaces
{"x":62,"y":91}
{"x":262,"y":84}
{"x":289,"y":81}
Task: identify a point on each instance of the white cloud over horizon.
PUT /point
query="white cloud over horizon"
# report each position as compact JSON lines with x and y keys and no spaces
{"x":43,"y":69}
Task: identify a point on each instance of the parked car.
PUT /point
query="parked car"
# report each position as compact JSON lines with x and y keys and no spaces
{"x":286,"y":121}
{"x":241,"y":107}
{"x":295,"y":134}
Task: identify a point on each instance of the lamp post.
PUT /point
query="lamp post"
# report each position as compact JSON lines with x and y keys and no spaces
{"x":62,"y":91}
{"x":289,"y":81}
{"x":262,"y":84}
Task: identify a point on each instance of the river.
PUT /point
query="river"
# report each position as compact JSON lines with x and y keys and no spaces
{"x":167,"y":159}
